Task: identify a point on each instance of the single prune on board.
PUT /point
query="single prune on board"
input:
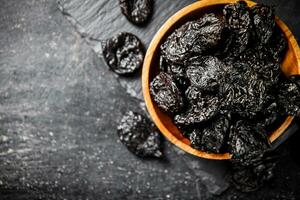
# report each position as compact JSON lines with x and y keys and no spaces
{"x":137,"y":11}
{"x":123,"y":53}
{"x":194,"y":37}
{"x":140,"y":135}
{"x":165,"y":93}
{"x":204,"y":72}
{"x":263,"y":22}
{"x":238,"y":21}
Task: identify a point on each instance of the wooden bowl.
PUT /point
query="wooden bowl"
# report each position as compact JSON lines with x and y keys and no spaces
{"x":290,"y":66}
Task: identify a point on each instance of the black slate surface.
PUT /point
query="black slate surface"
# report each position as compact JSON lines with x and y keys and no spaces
{"x":59,"y":106}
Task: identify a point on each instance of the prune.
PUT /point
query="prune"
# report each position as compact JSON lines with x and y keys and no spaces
{"x":250,"y":176}
{"x":165,"y":93}
{"x":204,"y":72}
{"x":140,"y":136}
{"x":212,"y":138}
{"x":238,"y":21}
{"x":123,"y":53}
{"x":194,"y":37}
{"x":289,"y":98}
{"x":177,"y":72}
{"x":203,"y":110}
{"x":245,"y":138}
{"x":137,"y":11}
{"x":263,"y":22}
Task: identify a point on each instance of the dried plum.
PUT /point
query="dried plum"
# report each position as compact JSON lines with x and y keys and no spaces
{"x":212,"y":138}
{"x":238,"y":21}
{"x":258,"y":168}
{"x":263,"y":22}
{"x":123,"y":53}
{"x":205,"y":108}
{"x":140,"y":136}
{"x":194,"y":37}
{"x":204,"y":72}
{"x":289,"y":97}
{"x":136,"y":11}
{"x":165,"y":93}
{"x":245,"y":138}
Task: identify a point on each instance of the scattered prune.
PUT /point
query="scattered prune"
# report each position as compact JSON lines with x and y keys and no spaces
{"x":194,"y":37}
{"x":123,"y":53}
{"x":165,"y":93}
{"x":140,"y":136}
{"x":136,"y":11}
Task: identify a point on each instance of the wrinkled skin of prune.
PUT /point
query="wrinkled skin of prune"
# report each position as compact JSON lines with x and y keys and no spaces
{"x":165,"y":93}
{"x":263,"y":22}
{"x":123,"y":53}
{"x":245,"y":138}
{"x":252,"y":163}
{"x":204,"y":109}
{"x":289,"y":96}
{"x":137,"y":11}
{"x":258,"y":168}
{"x":204,"y":72}
{"x":140,"y":135}
{"x":176,"y":71}
{"x":212,"y":138}
{"x":244,"y":95}
{"x":238,"y":21}
{"x":194,"y":37}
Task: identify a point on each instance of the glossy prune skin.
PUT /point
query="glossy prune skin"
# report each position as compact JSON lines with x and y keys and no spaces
{"x":203,"y":72}
{"x":289,"y":97}
{"x":204,"y":109}
{"x":165,"y":93}
{"x":140,"y":135}
{"x":263,"y":22}
{"x":252,"y":174}
{"x":123,"y":53}
{"x":238,"y":22}
{"x":211,"y":138}
{"x":137,"y":11}
{"x":194,"y":37}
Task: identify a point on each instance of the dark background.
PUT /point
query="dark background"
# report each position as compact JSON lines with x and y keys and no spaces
{"x":60,"y":105}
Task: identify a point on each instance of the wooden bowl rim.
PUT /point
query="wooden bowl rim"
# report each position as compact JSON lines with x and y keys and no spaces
{"x":146,"y":70}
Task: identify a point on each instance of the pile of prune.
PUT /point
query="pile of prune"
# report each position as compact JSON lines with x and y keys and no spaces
{"x":140,"y":135}
{"x":220,"y":81}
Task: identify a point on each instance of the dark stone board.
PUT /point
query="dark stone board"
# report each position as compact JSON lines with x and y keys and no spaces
{"x":59,"y":107}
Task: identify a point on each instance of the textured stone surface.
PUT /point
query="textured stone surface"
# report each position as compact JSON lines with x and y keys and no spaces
{"x":60,"y":104}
